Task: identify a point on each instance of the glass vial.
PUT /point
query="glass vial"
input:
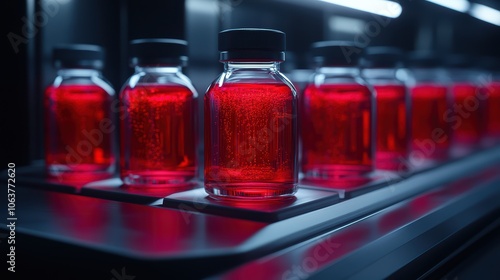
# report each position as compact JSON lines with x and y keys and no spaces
{"x":337,"y":117}
{"x":430,"y":101}
{"x":158,"y":125}
{"x":380,"y":67}
{"x":251,"y":119}
{"x":79,"y":124}
{"x":489,"y":80}
{"x":465,"y":118}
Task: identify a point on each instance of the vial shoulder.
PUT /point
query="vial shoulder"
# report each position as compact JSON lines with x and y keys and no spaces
{"x":320,"y":79}
{"x":383,"y":77}
{"x":426,"y":76}
{"x":79,"y":83}
{"x":159,"y":82}
{"x":234,"y":79}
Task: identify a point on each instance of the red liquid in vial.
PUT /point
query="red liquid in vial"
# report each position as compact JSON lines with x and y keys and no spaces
{"x":158,"y":135}
{"x":250,"y":140}
{"x":492,"y":111}
{"x":468,"y":131}
{"x":336,"y":131}
{"x":78,"y":132}
{"x":392,"y":127}
{"x":429,"y":129}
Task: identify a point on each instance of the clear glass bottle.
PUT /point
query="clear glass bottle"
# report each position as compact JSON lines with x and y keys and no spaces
{"x":430,"y":102}
{"x":338,"y":117}
{"x":465,"y":118}
{"x":251,"y":119}
{"x":158,"y":125}
{"x":79,"y":123}
{"x":380,"y":66}
{"x":489,"y":81}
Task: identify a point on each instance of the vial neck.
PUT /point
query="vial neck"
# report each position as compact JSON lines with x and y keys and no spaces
{"x":342,"y":71}
{"x":238,"y":65}
{"x":78,"y":72}
{"x":461,"y":75}
{"x":426,"y":75}
{"x":158,"y":69}
{"x":379,"y":73}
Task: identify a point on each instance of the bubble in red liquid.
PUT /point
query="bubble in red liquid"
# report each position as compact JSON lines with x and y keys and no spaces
{"x":392,"y":127}
{"x":468,"y":123}
{"x":79,"y":131}
{"x":430,"y":132}
{"x":158,"y":138}
{"x":337,"y":131}
{"x":250,"y":140}
{"x":492,"y":111}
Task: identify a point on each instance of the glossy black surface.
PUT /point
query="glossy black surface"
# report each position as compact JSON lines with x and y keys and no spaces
{"x":34,"y":176}
{"x":401,"y":241}
{"x":349,"y":189}
{"x":305,"y":200}
{"x":114,"y":189}
{"x":395,"y":230}
{"x":128,"y":233}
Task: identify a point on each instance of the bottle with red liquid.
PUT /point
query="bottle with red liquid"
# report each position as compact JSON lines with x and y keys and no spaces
{"x":338,"y":117}
{"x":299,"y":79}
{"x":79,"y":123}
{"x":158,"y":123}
{"x":430,"y":103}
{"x":251,"y":120}
{"x":380,"y":67}
{"x":489,"y":81}
{"x":465,"y":118}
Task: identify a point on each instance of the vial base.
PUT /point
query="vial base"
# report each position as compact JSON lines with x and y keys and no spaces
{"x":80,"y":172}
{"x":251,"y":190}
{"x":490,"y":140}
{"x":338,"y":176}
{"x":336,"y":171}
{"x":157,"y":179}
{"x":393,"y":161}
{"x":432,"y":153}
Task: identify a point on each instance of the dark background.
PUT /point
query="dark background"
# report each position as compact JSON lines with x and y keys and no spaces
{"x":112,"y":23}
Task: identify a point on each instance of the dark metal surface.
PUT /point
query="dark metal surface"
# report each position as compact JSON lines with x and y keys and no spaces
{"x":348,"y":188}
{"x":113,"y":189}
{"x":401,"y":242}
{"x":305,"y":200}
{"x":34,"y":176}
{"x":390,"y":231}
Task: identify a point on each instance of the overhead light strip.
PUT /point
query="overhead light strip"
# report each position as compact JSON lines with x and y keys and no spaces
{"x":380,"y":7}
{"x":457,"y":5}
{"x":485,"y":13}
{"x":478,"y":11}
